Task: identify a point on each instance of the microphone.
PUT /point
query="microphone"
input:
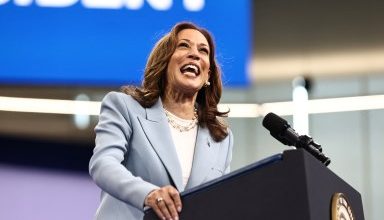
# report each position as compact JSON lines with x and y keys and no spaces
{"x":282,"y":131}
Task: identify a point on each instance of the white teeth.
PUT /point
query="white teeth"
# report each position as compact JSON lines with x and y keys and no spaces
{"x":194,"y":67}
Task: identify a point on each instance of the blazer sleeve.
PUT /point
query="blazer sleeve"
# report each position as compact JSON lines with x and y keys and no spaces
{"x":112,"y":134}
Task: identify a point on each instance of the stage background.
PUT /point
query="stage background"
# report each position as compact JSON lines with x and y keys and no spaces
{"x":44,"y":157}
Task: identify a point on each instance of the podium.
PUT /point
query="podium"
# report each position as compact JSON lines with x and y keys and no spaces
{"x":293,"y":185}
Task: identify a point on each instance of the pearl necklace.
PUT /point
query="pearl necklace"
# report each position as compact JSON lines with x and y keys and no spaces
{"x":180,"y":124}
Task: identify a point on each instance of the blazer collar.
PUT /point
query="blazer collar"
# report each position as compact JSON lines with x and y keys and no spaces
{"x":157,"y":130}
{"x":156,"y":112}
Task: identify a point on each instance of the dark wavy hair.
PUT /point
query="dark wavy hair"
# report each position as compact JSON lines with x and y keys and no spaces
{"x":153,"y":84}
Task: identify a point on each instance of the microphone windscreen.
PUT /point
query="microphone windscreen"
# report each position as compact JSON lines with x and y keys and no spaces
{"x":275,"y":124}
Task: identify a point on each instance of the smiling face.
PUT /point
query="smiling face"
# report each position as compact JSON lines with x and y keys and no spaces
{"x":188,"y":67}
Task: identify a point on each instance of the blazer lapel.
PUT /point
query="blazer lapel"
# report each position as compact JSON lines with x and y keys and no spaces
{"x":203,"y":159}
{"x":156,"y":128}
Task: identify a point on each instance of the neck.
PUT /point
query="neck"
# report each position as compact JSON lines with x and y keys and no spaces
{"x":179,"y":104}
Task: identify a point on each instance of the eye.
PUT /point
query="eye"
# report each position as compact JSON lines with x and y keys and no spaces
{"x":204,"y":50}
{"x":183,"y":44}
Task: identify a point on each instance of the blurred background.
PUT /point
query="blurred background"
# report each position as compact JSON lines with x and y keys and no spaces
{"x":318,"y":64}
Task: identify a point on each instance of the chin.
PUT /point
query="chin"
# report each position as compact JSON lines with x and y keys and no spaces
{"x":192,"y":89}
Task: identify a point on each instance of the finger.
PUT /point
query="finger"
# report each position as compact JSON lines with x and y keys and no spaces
{"x":158,"y":212}
{"x":176,"y":199}
{"x":162,"y":205}
{"x":171,"y":207}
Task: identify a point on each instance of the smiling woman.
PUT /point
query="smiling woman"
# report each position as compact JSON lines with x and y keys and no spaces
{"x":185,"y":44}
{"x":165,"y":136}
{"x":188,"y":68}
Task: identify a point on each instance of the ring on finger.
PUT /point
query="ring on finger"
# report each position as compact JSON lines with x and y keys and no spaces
{"x":159,"y":199}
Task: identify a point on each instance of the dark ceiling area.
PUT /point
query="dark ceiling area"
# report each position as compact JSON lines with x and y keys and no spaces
{"x":298,"y":26}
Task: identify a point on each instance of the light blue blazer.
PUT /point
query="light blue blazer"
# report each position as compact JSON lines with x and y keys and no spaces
{"x":135,"y":154}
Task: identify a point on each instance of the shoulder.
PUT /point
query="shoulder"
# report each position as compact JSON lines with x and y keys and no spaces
{"x":121,"y":102}
{"x":229,"y":138}
{"x":120,"y":98}
{"x":226,"y":141}
{"x":230,"y":134}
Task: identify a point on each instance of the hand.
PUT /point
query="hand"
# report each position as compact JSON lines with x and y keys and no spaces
{"x":165,"y":202}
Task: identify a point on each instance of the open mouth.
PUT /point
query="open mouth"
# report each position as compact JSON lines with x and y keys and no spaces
{"x":190,"y":68}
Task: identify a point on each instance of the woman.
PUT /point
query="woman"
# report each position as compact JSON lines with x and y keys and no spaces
{"x":157,"y":140}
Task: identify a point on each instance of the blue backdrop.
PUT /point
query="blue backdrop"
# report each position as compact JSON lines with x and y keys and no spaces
{"x":79,"y":45}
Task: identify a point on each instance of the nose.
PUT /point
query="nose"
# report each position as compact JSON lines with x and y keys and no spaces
{"x":194,"y":54}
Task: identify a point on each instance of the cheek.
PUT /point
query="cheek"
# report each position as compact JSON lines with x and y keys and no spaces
{"x":172,"y":65}
{"x":206,"y":67}
{"x":207,"y":63}
{"x":174,"y":62}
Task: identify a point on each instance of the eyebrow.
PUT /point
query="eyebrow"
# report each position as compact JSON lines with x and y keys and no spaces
{"x":201,"y":44}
